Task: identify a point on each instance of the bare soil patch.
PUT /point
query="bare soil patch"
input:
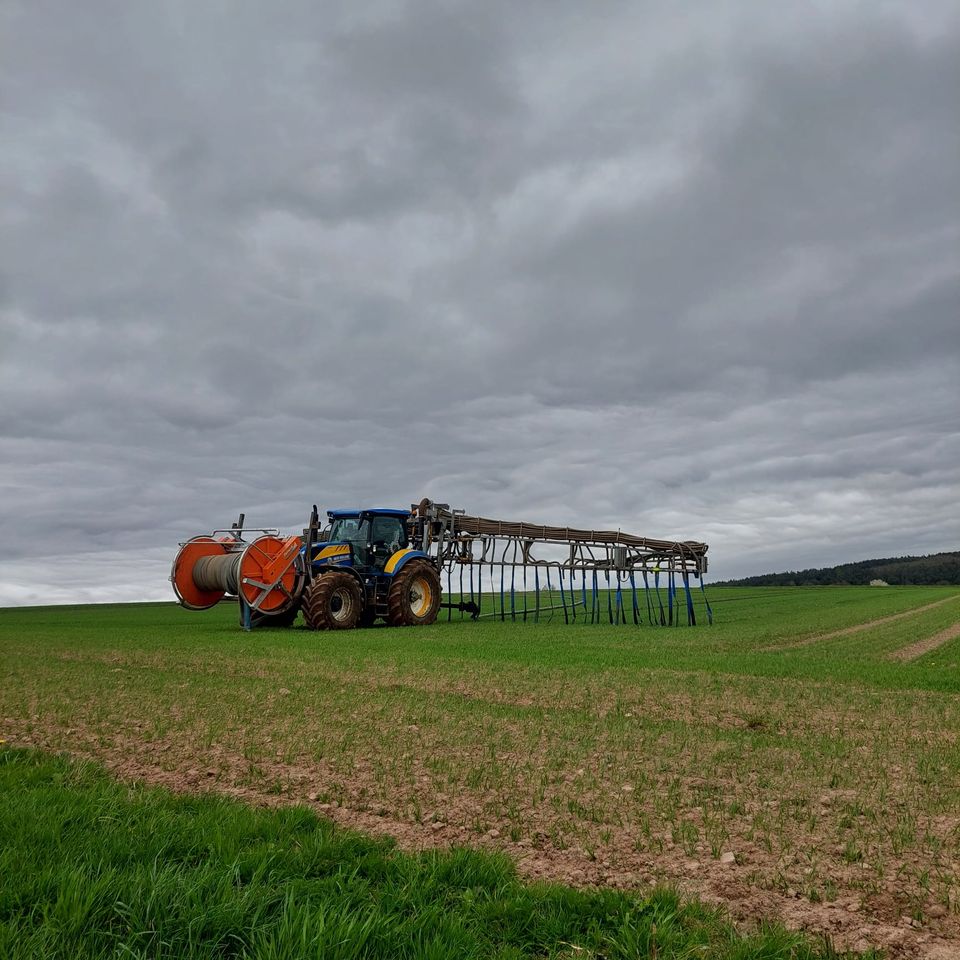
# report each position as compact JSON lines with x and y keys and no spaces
{"x":918,"y":649}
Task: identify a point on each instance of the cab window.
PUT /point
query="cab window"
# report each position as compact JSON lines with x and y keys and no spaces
{"x":388,"y":530}
{"x":347,"y":529}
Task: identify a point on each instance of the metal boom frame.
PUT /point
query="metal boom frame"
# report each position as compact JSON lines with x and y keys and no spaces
{"x":608,"y":564}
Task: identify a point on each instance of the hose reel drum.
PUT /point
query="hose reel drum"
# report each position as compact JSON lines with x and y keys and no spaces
{"x":266,"y":574}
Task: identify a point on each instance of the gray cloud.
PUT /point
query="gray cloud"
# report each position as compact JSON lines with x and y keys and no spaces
{"x":689,"y":276}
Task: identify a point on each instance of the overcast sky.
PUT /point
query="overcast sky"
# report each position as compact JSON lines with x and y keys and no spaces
{"x":691,"y":270}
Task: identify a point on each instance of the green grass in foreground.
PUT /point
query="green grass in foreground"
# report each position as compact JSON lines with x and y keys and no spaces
{"x":828,"y":769}
{"x":92,"y":868}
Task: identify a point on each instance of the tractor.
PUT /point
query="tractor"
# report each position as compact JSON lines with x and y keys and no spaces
{"x":362,"y":567}
{"x":370,"y":564}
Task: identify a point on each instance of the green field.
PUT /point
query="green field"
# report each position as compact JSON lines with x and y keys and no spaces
{"x":97,"y":869}
{"x":760,"y":762}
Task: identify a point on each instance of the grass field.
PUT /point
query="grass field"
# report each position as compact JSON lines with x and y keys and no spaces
{"x":769,"y":762}
{"x":101,"y":870}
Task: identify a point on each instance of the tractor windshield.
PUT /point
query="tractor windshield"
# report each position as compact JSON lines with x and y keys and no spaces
{"x":349,"y":530}
{"x":379,"y":530}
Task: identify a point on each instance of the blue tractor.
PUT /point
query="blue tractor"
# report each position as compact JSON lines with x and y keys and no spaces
{"x":363,"y":567}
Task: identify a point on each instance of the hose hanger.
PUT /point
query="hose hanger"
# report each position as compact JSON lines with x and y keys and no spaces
{"x":567,"y":569}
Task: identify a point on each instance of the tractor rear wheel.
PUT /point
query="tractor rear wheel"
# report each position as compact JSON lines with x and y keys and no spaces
{"x":334,"y":601}
{"x":414,"y":597}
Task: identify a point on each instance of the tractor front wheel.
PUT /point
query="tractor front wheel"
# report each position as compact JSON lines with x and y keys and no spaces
{"x":414,"y":597}
{"x":305,"y":609}
{"x":334,"y":601}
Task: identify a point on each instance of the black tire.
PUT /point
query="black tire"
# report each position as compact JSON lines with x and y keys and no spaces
{"x":334,"y":601}
{"x":305,"y":608}
{"x":284,"y":619}
{"x":414,"y":598}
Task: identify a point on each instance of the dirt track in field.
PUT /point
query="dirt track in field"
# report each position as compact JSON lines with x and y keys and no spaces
{"x":851,"y":920}
{"x":918,"y":649}
{"x":860,"y":627}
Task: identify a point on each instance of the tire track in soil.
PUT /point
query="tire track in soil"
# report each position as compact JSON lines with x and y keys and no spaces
{"x":851,"y":921}
{"x":916,"y":650}
{"x":858,"y":627}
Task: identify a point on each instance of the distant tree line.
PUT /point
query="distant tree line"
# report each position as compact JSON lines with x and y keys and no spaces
{"x":938,"y":568}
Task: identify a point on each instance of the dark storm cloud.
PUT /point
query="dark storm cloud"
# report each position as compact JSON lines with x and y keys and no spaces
{"x":688,"y":275}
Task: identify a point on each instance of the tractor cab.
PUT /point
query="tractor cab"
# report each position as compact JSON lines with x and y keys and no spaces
{"x":373,"y":536}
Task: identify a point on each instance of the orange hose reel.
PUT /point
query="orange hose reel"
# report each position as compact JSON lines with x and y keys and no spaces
{"x":266,"y":573}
